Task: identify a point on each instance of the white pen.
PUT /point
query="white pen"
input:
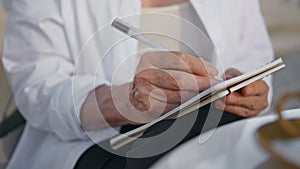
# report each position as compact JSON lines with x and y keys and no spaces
{"x":139,"y":35}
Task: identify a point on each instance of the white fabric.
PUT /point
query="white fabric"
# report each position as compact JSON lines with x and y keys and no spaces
{"x":233,"y":146}
{"x":52,"y":58}
{"x":175,"y":25}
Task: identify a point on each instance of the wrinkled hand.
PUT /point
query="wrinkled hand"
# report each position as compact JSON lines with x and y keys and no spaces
{"x":166,"y":79}
{"x":247,"y":102}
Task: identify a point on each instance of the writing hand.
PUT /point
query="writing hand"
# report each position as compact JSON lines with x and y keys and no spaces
{"x":168,"y":79}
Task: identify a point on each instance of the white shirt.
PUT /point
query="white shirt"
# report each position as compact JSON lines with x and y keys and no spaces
{"x":56,"y":52}
{"x":179,"y":28}
{"x":174,"y":26}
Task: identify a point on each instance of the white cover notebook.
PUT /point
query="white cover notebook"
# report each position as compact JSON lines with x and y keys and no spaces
{"x":215,"y":92}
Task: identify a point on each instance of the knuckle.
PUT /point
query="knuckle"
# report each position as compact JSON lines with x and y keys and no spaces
{"x":173,"y":80}
{"x":246,"y":113}
{"x":139,"y":78}
{"x":265,"y":104}
{"x":254,"y":104}
{"x":168,"y":80}
{"x":183,"y":57}
{"x":174,"y":83}
{"x":141,"y":97}
{"x":141,"y":93}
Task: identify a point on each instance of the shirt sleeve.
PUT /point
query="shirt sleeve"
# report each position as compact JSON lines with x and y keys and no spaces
{"x":40,"y":69}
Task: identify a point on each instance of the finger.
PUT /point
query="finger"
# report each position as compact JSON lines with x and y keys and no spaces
{"x":220,"y":104}
{"x":231,"y":73}
{"x":140,"y":115}
{"x":173,"y":80}
{"x":171,"y":96}
{"x":241,"y":111}
{"x":197,"y":65}
{"x":256,"y":88}
{"x":140,"y":98}
{"x":143,"y":92}
{"x":180,"y":61}
{"x":249,"y":102}
{"x":235,"y":109}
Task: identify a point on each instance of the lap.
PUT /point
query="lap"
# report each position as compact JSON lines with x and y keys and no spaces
{"x":99,"y":158}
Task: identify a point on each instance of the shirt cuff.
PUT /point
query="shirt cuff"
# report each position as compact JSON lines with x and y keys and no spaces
{"x":67,"y":102}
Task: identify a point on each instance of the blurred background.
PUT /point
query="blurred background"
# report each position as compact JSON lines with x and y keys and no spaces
{"x":283,"y":21}
{"x":4,"y":88}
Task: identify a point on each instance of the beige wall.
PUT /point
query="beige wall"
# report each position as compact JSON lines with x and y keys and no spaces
{"x":3,"y":17}
{"x":283,"y":21}
{"x":4,"y":89}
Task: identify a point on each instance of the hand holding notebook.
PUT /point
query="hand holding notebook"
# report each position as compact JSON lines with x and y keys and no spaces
{"x":249,"y":101}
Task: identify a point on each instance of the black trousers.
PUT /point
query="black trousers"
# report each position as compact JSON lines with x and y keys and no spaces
{"x":98,"y":158}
